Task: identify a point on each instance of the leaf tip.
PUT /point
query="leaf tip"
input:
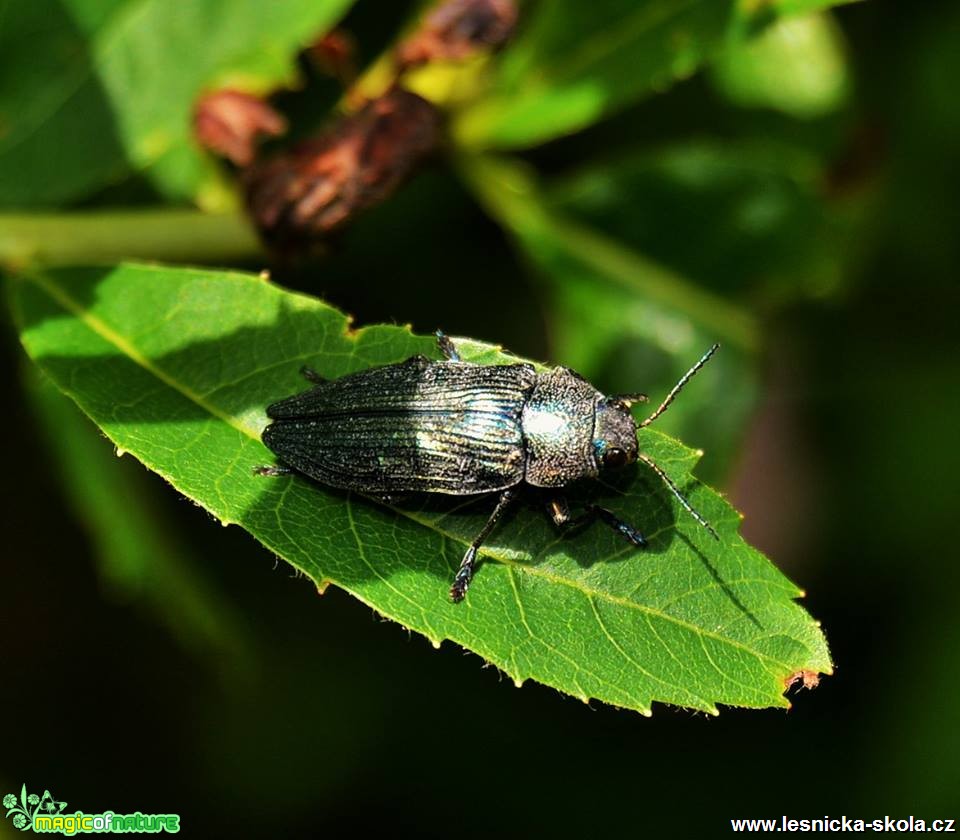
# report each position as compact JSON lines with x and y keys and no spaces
{"x":322,"y":585}
{"x":119,"y":451}
{"x":265,"y":275}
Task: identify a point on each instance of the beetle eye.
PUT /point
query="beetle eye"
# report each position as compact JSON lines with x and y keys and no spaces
{"x":614,"y":457}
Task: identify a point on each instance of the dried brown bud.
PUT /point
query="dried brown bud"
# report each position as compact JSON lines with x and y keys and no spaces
{"x":300,"y":196}
{"x":808,"y":679}
{"x":230,"y":123}
{"x":334,"y":54}
{"x":457,"y":29}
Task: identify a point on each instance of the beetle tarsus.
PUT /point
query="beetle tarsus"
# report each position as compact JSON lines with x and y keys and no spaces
{"x":267,"y":470}
{"x":311,"y":375}
{"x":447,"y":347}
{"x":461,"y":580}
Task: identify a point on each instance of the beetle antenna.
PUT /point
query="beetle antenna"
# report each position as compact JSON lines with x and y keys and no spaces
{"x":676,"y":491}
{"x":676,"y":388}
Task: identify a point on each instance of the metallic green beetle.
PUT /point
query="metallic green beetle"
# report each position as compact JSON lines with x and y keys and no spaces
{"x":459,"y":428}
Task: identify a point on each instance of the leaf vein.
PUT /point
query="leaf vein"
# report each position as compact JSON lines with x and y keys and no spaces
{"x":619,"y":648}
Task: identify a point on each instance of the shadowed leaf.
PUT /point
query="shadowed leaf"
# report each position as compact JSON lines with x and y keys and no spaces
{"x":574,"y":64}
{"x":139,"y":558}
{"x":618,"y":315}
{"x":90,"y":91}
{"x":742,"y":203}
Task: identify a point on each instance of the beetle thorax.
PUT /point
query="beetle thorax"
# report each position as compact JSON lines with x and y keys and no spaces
{"x":614,"y":434}
{"x":558,"y":425}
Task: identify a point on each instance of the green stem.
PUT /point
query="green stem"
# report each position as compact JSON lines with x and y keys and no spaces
{"x":508,"y":191}
{"x":106,"y":235}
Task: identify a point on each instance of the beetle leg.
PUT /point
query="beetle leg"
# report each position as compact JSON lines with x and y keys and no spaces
{"x":418,"y":361}
{"x":311,"y":375}
{"x":625,"y":529}
{"x":559,"y":512}
{"x":273,"y":471}
{"x":626,"y":400}
{"x":447,"y":347}
{"x":467,"y":566}
{"x":390,"y":499}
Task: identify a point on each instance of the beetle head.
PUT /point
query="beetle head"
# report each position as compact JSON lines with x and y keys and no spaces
{"x":614,"y":433}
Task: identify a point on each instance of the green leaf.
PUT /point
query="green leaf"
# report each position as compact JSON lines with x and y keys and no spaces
{"x":139,"y":557}
{"x":614,"y":311}
{"x":742,"y":203}
{"x":92,"y":89}
{"x":796,"y":65}
{"x":176,"y":367}
{"x":577,"y":62}
{"x":757,"y":11}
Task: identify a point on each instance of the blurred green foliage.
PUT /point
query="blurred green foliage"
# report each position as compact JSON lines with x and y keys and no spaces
{"x":778,"y":175}
{"x":119,"y":78}
{"x":141,"y":558}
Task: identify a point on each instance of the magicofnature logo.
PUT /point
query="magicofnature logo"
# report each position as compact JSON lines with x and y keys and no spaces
{"x":24,"y":811}
{"x":44,"y":815}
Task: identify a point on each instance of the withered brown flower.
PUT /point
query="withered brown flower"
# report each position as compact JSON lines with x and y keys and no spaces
{"x":457,"y":29}
{"x":304,"y":194}
{"x":230,"y":123}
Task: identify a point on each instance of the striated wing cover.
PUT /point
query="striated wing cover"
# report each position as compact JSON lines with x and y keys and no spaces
{"x":438,"y":427}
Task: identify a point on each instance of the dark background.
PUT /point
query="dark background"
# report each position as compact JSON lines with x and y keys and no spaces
{"x":323,"y":717}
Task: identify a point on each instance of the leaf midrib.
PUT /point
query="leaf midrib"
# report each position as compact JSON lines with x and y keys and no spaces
{"x":110,"y":335}
{"x":102,"y":329}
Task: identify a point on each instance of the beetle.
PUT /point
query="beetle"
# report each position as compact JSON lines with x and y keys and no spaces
{"x":460,"y":429}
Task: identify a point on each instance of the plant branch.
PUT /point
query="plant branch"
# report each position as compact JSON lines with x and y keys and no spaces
{"x":182,"y":235}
